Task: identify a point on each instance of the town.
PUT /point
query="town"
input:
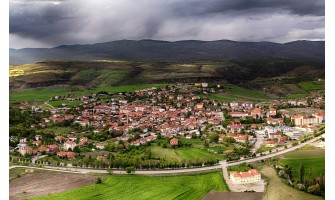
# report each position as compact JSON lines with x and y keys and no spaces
{"x":170,"y":127}
{"x":172,"y":117}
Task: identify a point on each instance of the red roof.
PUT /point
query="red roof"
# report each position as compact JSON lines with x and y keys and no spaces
{"x":252,"y":172}
{"x":174,"y":141}
{"x":42,"y":148}
{"x":70,"y":142}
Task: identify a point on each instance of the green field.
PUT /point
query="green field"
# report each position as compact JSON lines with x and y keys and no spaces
{"x":312,"y":85}
{"x":59,"y":130}
{"x":194,"y":153}
{"x":313,"y":160}
{"x":221,"y":97}
{"x":59,"y":103}
{"x":246,"y":93}
{"x":263,"y":148}
{"x":148,"y":187}
{"x":102,"y":78}
{"x":239,"y":168}
{"x":235,"y":93}
{"x":183,"y":154}
{"x":44,"y":94}
{"x":296,"y":96}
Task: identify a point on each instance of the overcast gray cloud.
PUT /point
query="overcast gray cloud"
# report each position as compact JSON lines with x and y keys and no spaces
{"x":43,"y":23}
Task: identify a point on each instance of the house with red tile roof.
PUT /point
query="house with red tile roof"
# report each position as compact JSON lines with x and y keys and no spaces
{"x":69,"y":145}
{"x":174,"y":142}
{"x":135,"y":143}
{"x":270,"y":143}
{"x":26,"y":150}
{"x":272,"y":112}
{"x":42,"y":148}
{"x":100,"y":146}
{"x":256,"y":113}
{"x":274,"y":121}
{"x":238,"y":114}
{"x":83,"y":141}
{"x":250,"y":176}
{"x":37,"y":143}
{"x":53,"y":148}
{"x":189,"y":136}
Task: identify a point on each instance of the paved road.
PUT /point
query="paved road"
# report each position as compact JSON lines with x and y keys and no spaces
{"x":258,"y":144}
{"x":100,"y":171}
{"x":271,"y":154}
{"x":223,"y":164}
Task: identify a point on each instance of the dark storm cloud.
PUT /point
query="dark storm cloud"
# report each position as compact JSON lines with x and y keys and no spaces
{"x":200,"y":7}
{"x":52,"y":23}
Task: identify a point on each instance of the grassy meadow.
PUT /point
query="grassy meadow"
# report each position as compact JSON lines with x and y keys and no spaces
{"x":183,"y":154}
{"x":312,"y":85}
{"x":313,"y":160}
{"x":44,"y":94}
{"x":148,"y":187}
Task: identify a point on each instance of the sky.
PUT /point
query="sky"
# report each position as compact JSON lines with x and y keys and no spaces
{"x":45,"y":23}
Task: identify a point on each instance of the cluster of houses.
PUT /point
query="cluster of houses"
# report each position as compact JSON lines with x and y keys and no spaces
{"x":169,"y":114}
{"x":62,"y":148}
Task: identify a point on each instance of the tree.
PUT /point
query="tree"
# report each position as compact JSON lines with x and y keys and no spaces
{"x":214,"y":137}
{"x":302,"y":173}
{"x":76,"y":149}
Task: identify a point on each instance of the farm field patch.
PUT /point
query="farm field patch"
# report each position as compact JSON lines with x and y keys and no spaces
{"x":148,"y":187}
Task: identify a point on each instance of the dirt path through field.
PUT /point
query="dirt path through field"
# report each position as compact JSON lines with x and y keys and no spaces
{"x":277,"y":190}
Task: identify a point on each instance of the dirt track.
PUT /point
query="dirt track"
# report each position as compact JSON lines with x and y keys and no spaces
{"x":40,"y":183}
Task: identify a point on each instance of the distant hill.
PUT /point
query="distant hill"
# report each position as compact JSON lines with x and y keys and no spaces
{"x":187,"y":50}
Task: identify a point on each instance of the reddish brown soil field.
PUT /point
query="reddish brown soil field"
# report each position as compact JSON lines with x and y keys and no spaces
{"x":40,"y":183}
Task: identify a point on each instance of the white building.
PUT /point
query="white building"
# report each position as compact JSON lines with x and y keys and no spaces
{"x":305,"y":120}
{"x":204,"y":85}
{"x":245,"y":177}
{"x":69,"y":145}
{"x":238,"y":114}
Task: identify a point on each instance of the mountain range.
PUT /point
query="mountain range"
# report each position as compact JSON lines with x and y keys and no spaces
{"x":186,"y":50}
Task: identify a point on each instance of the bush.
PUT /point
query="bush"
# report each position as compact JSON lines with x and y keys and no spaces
{"x":314,"y":189}
{"x":130,"y":169}
{"x":98,"y":180}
